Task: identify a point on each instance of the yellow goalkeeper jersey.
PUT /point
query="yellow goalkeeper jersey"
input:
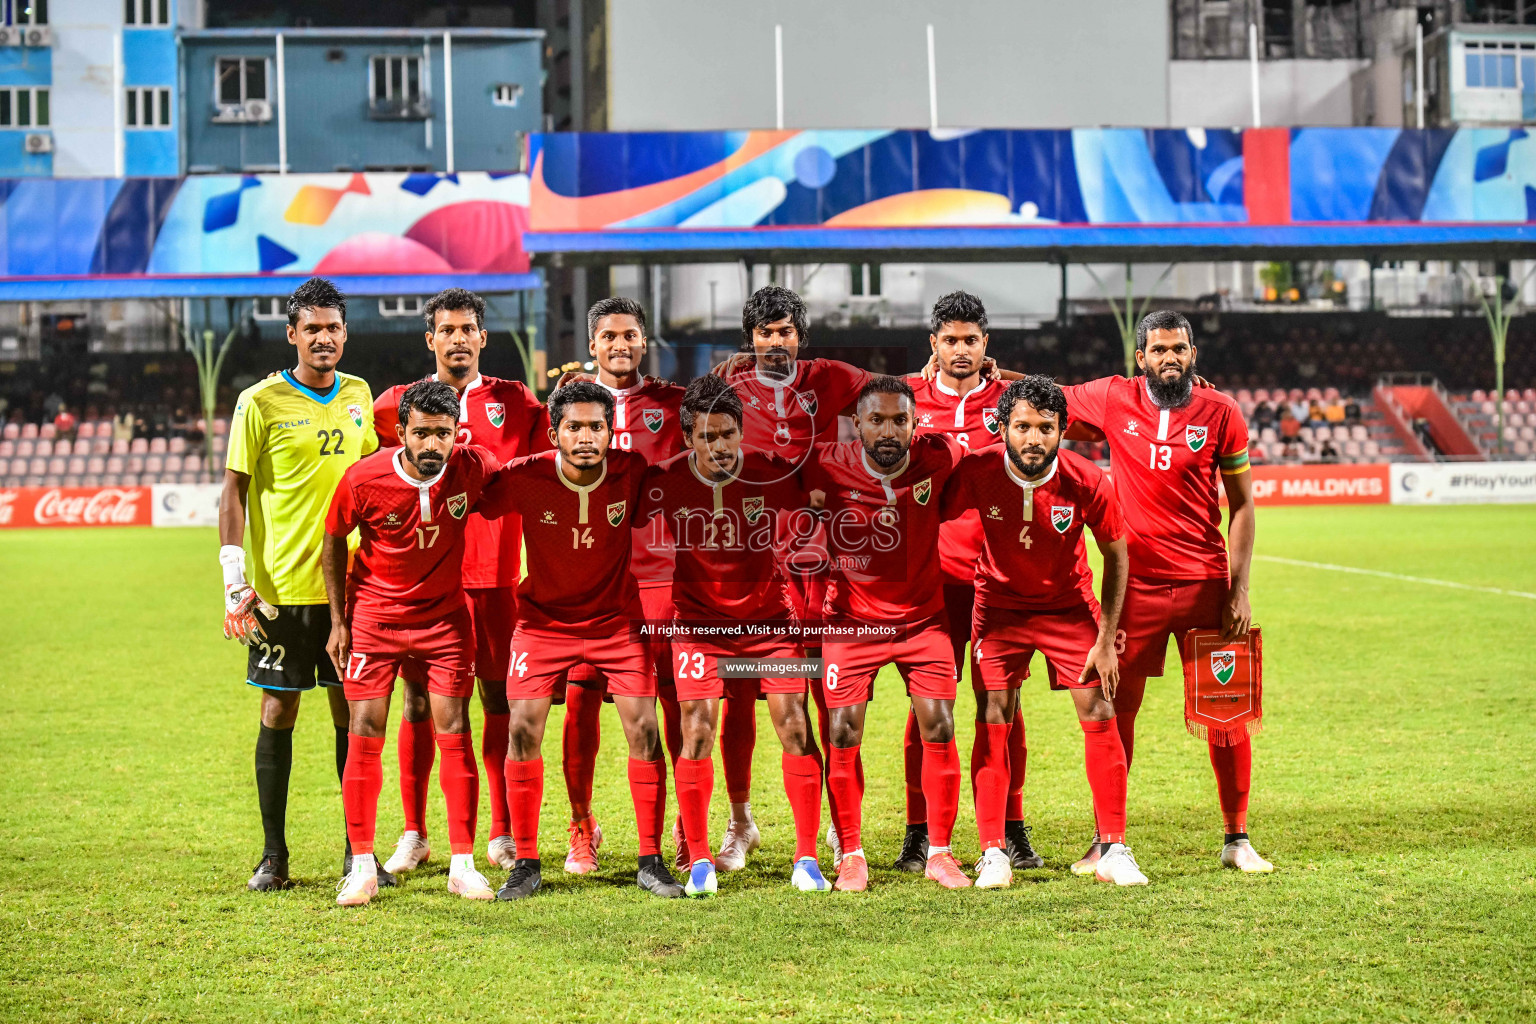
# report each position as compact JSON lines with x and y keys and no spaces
{"x":295,"y":444}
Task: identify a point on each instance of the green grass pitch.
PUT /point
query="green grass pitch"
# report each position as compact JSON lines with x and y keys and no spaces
{"x":1393,"y":788}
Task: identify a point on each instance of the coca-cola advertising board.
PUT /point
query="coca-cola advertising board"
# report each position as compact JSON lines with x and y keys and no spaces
{"x":74,"y":506}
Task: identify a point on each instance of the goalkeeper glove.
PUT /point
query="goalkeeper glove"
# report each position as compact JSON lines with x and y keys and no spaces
{"x":241,"y":602}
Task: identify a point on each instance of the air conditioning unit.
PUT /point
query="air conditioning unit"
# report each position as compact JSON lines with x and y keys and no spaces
{"x":257,"y":110}
{"x":10,"y":36}
{"x":37,"y":35}
{"x":39,"y":142}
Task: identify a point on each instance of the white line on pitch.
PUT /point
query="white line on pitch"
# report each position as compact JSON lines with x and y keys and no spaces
{"x":1393,"y":576}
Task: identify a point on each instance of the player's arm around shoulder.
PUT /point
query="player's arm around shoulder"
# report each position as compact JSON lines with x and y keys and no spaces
{"x":343,"y":516}
{"x":386,"y":416}
{"x":505,"y":488}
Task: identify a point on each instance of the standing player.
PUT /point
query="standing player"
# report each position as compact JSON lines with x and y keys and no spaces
{"x":292,"y":437}
{"x":1169,"y":442}
{"x":578,"y":505}
{"x":506,"y":418}
{"x":960,"y":400}
{"x":882,"y":512}
{"x":645,"y":417}
{"x":721,"y":504}
{"x":403,"y":601}
{"x":1034,"y":592}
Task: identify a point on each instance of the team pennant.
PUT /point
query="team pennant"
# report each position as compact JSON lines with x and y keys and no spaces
{"x":1223,"y":685}
{"x":616,"y":513}
{"x":1195,"y":438}
{"x":496,"y":412}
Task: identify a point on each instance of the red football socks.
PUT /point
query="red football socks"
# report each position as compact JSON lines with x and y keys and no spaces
{"x":671,"y":725}
{"x":1104,"y":759}
{"x":461,"y":788}
{"x":912,"y":765}
{"x":1018,"y":757}
{"x":990,"y":764}
{"x":1234,"y":769}
{"x":415,"y":748}
{"x":1127,"y":703}
{"x":845,"y":788}
{"x":802,"y":785}
{"x":493,"y":751}
{"x":648,"y":789}
{"x":941,"y":788}
{"x":579,"y":741}
{"x":738,"y":736}
{"x":361,"y":781}
{"x":695,"y":786}
{"x":525,"y":793}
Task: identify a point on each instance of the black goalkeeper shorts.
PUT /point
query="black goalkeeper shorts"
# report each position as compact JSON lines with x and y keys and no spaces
{"x":292,"y":656}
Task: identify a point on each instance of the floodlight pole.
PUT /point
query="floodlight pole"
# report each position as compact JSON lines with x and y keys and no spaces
{"x":778,"y":76}
{"x":1127,"y":321}
{"x":1498,"y":316}
{"x":1418,"y":73}
{"x":1253,"y":70}
{"x":933,"y":86}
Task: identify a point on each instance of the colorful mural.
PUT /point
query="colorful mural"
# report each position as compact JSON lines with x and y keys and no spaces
{"x":1084,"y":176}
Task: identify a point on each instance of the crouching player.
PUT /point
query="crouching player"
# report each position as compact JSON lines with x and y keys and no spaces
{"x":1034,"y":592}
{"x":723,"y":505}
{"x":403,"y":601}
{"x":578,"y":505}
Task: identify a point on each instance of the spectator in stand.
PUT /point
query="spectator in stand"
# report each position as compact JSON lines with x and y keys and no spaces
{"x":1315,"y":416}
{"x":1300,"y":411}
{"x":1333,"y":411}
{"x":1263,"y":416}
{"x":122,"y":426}
{"x":1327,"y":452}
{"x":64,"y":424}
{"x":1291,"y":452}
{"x":1290,"y":426}
{"x":194,"y":432}
{"x":1351,"y":411}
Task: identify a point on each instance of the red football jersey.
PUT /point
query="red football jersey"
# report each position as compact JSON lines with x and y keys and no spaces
{"x":724,"y":534}
{"x":1166,"y":465}
{"x":971,"y":419}
{"x":410,"y":557}
{"x":645,"y":422}
{"x":578,"y":541}
{"x":1033,"y":556}
{"x":506,"y":418}
{"x":883,"y":531}
{"x":786,"y":417}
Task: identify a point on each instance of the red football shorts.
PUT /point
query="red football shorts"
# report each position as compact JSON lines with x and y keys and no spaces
{"x":1158,"y":609}
{"x":443,"y":650}
{"x":698,"y":676}
{"x":924,"y":658}
{"x":540,"y":663}
{"x":492,"y":613}
{"x":656,"y":606}
{"x":1004,"y":639}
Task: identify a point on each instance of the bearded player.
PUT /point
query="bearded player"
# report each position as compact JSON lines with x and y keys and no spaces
{"x":1169,"y":442}
{"x":576,"y":607}
{"x":645,"y":422}
{"x":960,"y":400}
{"x":1034,"y":592}
{"x":292,"y":437}
{"x":403,"y":600}
{"x":506,"y":418}
{"x":882,"y":515}
{"x":720,"y":503}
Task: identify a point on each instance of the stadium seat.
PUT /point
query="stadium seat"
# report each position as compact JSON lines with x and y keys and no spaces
{"x":95,"y":465}
{"x":1522,"y":448}
{"x":128,"y":480}
{"x":1359,"y":432}
{"x":172,"y":464}
{"x":154,"y":465}
{"x":189,"y":476}
{"x":1352,"y":449}
{"x":1370,"y":449}
{"x":7,"y":450}
{"x":220,"y":445}
{"x":1487,"y":408}
{"x":1329,"y":394}
{"x":1529,"y":394}
{"x":57,"y":466}
{"x":101,"y":446}
{"x":135,"y":464}
{"x":1306,"y":435}
{"x":157,"y":446}
{"x":119,"y":446}
{"x":11,"y":432}
{"x":90,"y":481}
{"x":1514,"y":419}
{"x":115,"y":464}
{"x":65,"y":448}
{"x":1314,"y":394}
{"x":177,"y":445}
{"x":1479,"y":395}
{"x":18,"y":467}
{"x":1340,"y":432}
{"x":43,"y":446}
{"x":1511,"y":395}
{"x":86,"y":430}
{"x":1510,"y":433}
{"x":46,"y":432}
{"x":29,"y":431}
{"x":1244,"y":395}
{"x":1268,"y":436}
{"x":138,"y":446}
{"x":221,"y":426}
{"x":76,"y":466}
{"x":1527,"y":434}
{"x":26,"y":447}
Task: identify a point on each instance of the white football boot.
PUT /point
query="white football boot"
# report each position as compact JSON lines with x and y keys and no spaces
{"x":994,"y":870}
{"x":411,"y":852}
{"x":502,"y":852}
{"x":1118,"y":865}
{"x":740,"y":840}
{"x":1242,"y":856}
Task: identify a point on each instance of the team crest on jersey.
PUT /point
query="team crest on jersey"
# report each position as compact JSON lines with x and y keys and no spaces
{"x":652,"y":419}
{"x":458,"y":505}
{"x":922,"y":491}
{"x":989,"y":420}
{"x":807,"y":400}
{"x":752,"y":508}
{"x":496,"y":412}
{"x":1194,"y":437}
{"x":1061,"y":517}
{"x":356,"y":412}
{"x":1223,"y":664}
{"x":616,"y":513}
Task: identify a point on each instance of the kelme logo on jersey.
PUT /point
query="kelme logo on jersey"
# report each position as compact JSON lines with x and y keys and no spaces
{"x":1061,"y":517}
{"x":496,"y":412}
{"x":652,"y":419}
{"x":356,"y":412}
{"x":752,"y":508}
{"x":989,"y":420}
{"x":1194,"y":437}
{"x":458,"y":505}
{"x":616,"y":513}
{"x":807,"y":400}
{"x":922,"y":491}
{"x":1223,"y":664}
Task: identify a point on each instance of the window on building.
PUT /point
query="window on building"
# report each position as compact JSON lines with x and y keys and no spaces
{"x":1495,"y":65}
{"x":506,"y":94}
{"x":270,"y":307}
{"x":24,"y":108}
{"x":395,"y":83}
{"x":31,"y":12}
{"x":400,"y":305}
{"x":146,"y":12}
{"x":147,"y":108}
{"x":238,"y":79}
